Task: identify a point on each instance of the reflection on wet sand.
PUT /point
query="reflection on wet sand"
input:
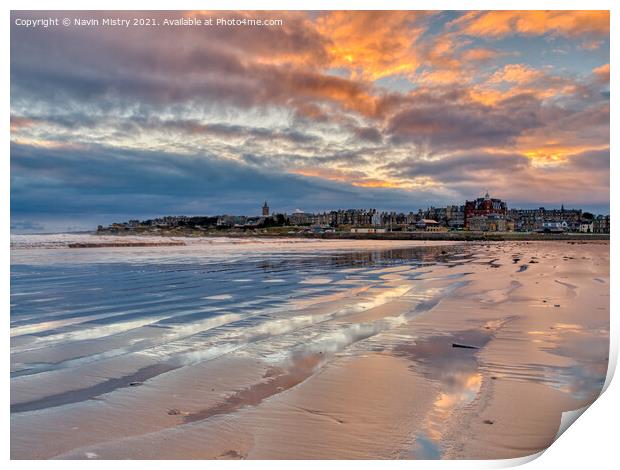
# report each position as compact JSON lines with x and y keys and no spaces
{"x":455,"y":370}
{"x":306,"y":359}
{"x":88,"y":393}
{"x":277,"y":380}
{"x":248,"y":351}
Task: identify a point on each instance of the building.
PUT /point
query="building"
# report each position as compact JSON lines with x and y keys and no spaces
{"x":455,"y":217}
{"x":533,"y":220}
{"x":429,"y":225}
{"x":265,"y":209}
{"x":368,"y":230}
{"x":225,"y":221}
{"x":484,"y":206}
{"x":554,"y":227}
{"x":600,"y":224}
{"x":303,"y":218}
{"x":487,"y":223}
{"x":439,"y":214}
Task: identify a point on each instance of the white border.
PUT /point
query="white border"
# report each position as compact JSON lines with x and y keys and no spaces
{"x":590,"y":443}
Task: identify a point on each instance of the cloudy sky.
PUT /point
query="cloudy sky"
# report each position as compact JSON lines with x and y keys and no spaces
{"x":394,"y":110}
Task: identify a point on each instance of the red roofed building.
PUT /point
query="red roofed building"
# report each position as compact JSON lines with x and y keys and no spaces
{"x":484,"y":206}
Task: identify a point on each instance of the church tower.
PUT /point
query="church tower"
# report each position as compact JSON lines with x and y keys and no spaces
{"x":265,"y":209}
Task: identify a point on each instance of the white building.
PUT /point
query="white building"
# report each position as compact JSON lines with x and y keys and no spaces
{"x":557,"y":227}
{"x":368,"y":230}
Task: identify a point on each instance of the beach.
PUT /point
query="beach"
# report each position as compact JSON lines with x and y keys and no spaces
{"x":172,"y":348}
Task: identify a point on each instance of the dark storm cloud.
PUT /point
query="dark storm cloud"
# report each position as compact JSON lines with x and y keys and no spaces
{"x":178,"y":66}
{"x":124,"y":174}
{"x":457,"y":168}
{"x":284,"y":161}
{"x":452,"y":121}
{"x":369,"y":134}
{"x":112,"y":180}
{"x":221,"y":130}
{"x":595,"y":161}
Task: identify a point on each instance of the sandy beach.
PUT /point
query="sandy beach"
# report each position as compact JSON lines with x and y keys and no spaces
{"x":303,"y":349}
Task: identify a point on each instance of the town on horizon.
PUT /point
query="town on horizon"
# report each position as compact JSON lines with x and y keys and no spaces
{"x":483,"y":214}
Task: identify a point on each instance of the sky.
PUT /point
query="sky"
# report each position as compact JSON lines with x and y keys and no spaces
{"x":387,"y":110}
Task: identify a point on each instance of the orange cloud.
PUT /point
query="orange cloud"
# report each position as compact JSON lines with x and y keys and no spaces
{"x":414,"y":183}
{"x":372,"y":44}
{"x":516,"y":73}
{"x":479,"y":55}
{"x":331,"y":174}
{"x":534,"y":23}
{"x":521,"y":80}
{"x":442,"y":77}
{"x":360,"y":179}
{"x":351,"y":95}
{"x":602,"y":73}
{"x":379,"y":184}
{"x":551,"y":153}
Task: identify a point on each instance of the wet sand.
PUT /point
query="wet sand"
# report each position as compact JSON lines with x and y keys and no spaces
{"x":469,"y":351}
